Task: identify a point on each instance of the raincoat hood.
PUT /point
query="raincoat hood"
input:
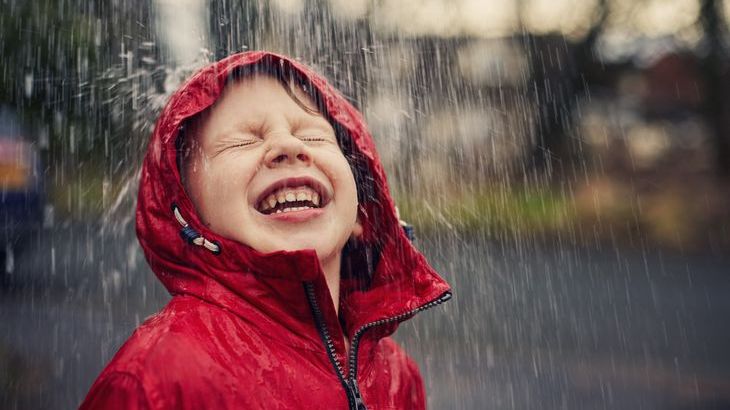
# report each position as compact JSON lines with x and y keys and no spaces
{"x":267,"y":288}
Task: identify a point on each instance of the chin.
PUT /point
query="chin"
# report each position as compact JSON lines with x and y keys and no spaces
{"x":299,"y":246}
{"x":320,"y":249}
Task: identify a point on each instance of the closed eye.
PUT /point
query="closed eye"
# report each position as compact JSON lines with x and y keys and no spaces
{"x":244,"y":144}
{"x":313,"y":139}
{"x":239,"y":144}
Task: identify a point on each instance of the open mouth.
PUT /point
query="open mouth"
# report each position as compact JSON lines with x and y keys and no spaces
{"x":291,"y":196}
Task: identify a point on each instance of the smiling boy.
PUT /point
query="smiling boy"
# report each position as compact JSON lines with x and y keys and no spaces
{"x":297,"y":188}
{"x":264,"y":210}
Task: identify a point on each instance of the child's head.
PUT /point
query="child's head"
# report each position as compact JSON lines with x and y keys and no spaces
{"x":240,"y":128}
{"x":264,"y":166}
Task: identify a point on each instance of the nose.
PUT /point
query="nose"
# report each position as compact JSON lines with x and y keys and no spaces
{"x":286,"y":149}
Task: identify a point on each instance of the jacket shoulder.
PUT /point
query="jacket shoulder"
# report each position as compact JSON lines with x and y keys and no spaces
{"x":117,"y":390}
{"x":172,"y":331}
{"x":171,"y":357}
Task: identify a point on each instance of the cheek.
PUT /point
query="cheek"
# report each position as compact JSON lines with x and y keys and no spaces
{"x":338,"y":170}
{"x":213,"y":187}
{"x":226,"y":184}
{"x":347,"y":187}
{"x":195,"y":184}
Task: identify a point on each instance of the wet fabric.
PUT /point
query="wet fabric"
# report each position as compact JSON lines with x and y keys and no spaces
{"x":240,"y":330}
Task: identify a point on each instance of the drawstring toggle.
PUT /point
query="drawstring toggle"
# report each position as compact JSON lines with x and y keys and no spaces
{"x":192,"y":236}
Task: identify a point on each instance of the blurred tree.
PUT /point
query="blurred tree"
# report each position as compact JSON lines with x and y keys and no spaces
{"x":48,"y":48}
{"x":337,"y":47}
{"x":715,"y":73}
{"x":54,"y":54}
{"x":237,"y":26}
{"x":561,"y":72}
{"x":53,"y":51}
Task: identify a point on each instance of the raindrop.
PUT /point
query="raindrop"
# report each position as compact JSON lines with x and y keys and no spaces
{"x":28,"y":84}
{"x":48,"y":216}
{"x":9,"y":258}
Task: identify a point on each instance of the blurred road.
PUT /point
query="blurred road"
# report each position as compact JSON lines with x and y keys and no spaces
{"x":564,"y":327}
{"x":530,"y":327}
{"x":74,"y":296}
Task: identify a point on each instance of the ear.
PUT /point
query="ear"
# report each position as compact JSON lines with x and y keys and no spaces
{"x":357,"y":230}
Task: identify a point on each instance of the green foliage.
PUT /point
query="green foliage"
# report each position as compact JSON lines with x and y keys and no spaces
{"x":62,"y":60}
{"x":52,"y":41}
{"x":492,"y":209}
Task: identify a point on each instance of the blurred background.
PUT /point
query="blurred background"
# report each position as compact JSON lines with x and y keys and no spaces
{"x":566,"y":164}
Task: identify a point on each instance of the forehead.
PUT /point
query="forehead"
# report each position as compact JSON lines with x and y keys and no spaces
{"x":260,"y":95}
{"x":254,"y":103}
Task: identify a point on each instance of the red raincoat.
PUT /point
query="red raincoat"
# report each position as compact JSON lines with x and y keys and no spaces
{"x":246,"y":330}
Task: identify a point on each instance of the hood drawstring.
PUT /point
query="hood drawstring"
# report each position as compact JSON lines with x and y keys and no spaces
{"x":192,"y":236}
{"x":409,"y":230}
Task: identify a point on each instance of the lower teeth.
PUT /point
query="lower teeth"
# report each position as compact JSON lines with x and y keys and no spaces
{"x":301,"y":208}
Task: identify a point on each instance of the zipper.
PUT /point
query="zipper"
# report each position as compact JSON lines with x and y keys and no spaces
{"x":352,"y":366}
{"x":349,"y":379}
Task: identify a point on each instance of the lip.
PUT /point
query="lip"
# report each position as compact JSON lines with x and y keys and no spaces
{"x":296,"y":216}
{"x":319,"y":187}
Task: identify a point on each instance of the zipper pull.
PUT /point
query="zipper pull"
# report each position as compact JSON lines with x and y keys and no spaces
{"x":357,"y":398}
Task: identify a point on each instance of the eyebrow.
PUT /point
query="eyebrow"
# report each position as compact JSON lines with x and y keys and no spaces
{"x":317,"y":120}
{"x":245,"y":124}
{"x":255,"y":124}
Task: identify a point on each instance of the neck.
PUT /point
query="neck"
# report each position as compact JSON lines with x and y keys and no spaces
{"x":331,"y":269}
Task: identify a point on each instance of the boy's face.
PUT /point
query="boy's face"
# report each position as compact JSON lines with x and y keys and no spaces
{"x":265,"y":172}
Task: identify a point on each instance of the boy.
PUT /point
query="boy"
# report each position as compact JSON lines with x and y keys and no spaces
{"x":265,"y":212}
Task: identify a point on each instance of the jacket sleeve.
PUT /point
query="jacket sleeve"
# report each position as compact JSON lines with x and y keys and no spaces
{"x":116,"y":391}
{"x":416,"y":391}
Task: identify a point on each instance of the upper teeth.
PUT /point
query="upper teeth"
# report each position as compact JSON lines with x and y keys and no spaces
{"x":287,"y":194}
